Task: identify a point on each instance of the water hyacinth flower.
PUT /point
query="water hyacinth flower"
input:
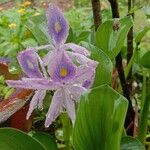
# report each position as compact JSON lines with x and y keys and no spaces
{"x":68,"y":73}
{"x":65,"y":79}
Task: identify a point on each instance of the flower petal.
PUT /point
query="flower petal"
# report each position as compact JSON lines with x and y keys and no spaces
{"x":41,"y":98}
{"x":33,"y":103}
{"x":29,"y":64}
{"x":76,"y":91}
{"x":69,"y":104}
{"x":34,"y":83}
{"x":81,"y":59}
{"x":55,"y":108}
{"x":42,"y":66}
{"x":51,"y":60}
{"x":77,"y":49}
{"x":58,"y":27}
{"x":64,"y":69}
{"x":37,"y":100}
{"x":84,"y":73}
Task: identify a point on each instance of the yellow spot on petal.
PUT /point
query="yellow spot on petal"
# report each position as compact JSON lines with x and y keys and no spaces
{"x":27,"y":3}
{"x":30,"y":65}
{"x":21,"y":11}
{"x":63,"y":72}
{"x":12,"y":25}
{"x":58,"y":27}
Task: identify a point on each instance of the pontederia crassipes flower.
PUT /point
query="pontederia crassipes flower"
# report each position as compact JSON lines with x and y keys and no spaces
{"x":68,"y":74}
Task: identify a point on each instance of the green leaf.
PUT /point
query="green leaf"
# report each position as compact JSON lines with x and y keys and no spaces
{"x":141,"y":34}
{"x":104,"y":68}
{"x":37,"y":26}
{"x":13,"y":139}
{"x":130,"y":143}
{"x":29,"y":43}
{"x":145,"y":60}
{"x":83,"y":36}
{"x":111,"y":35}
{"x":100,"y":120}
{"x":46,"y":140}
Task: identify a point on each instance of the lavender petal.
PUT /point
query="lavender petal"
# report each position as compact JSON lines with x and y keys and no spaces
{"x":41,"y":98}
{"x":77,"y":49}
{"x":58,"y":27}
{"x":69,"y":104}
{"x":76,"y":91}
{"x":84,"y":73}
{"x":33,"y":104}
{"x":82,"y":60}
{"x":64,"y":69}
{"x":29,"y":64}
{"x":34,"y":83}
{"x":55,"y":108}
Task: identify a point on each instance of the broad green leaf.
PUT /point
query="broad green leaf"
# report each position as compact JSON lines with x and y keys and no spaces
{"x":100,"y":120}
{"x":145,"y":60}
{"x":111,"y":35}
{"x":141,"y":34}
{"x":37,"y":25}
{"x":46,"y":140}
{"x":13,"y":139}
{"x":104,"y":68}
{"x":130,"y":143}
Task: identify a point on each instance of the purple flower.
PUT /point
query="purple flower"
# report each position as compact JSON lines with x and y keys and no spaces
{"x":69,"y":73}
{"x":65,"y":78}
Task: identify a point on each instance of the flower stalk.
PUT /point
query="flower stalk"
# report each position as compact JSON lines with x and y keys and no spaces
{"x":144,"y":112}
{"x":67,"y":129}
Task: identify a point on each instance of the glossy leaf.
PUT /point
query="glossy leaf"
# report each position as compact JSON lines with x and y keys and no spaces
{"x":111,"y":35}
{"x":130,"y":143}
{"x":141,"y":34}
{"x":12,"y":139}
{"x":100,"y":120}
{"x":104,"y":68}
{"x":145,"y":60}
{"x":46,"y":140}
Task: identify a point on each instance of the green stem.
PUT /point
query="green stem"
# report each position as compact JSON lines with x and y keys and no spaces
{"x":66,"y":130}
{"x":143,"y":88}
{"x":144,"y":116}
{"x":135,"y":53}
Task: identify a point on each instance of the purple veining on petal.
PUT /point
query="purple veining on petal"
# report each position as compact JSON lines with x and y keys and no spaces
{"x":58,"y":27}
{"x":64,"y":69}
{"x":87,"y":84}
{"x":29,"y":64}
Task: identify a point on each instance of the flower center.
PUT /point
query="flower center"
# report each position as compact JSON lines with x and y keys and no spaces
{"x":63,"y":72}
{"x":30,"y":65}
{"x":58,"y":27}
